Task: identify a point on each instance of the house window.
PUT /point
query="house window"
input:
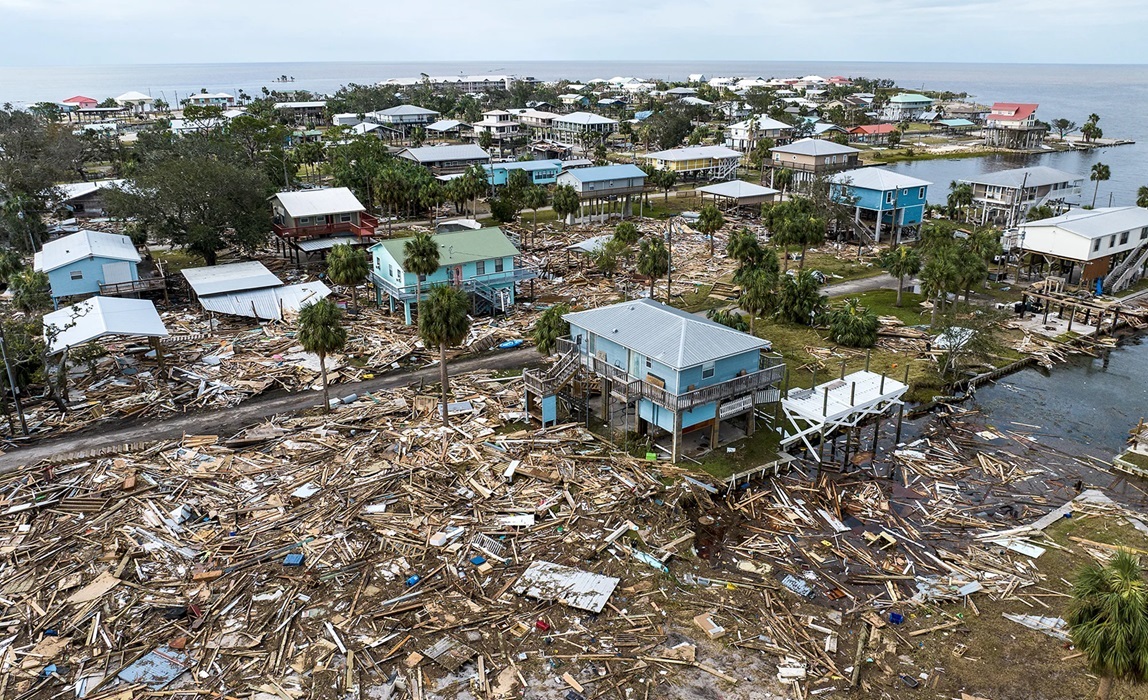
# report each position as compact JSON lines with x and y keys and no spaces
{"x":77,"y":274}
{"x":889,"y":197}
{"x":921,"y":193}
{"x":649,"y":364}
{"x":1096,"y":245}
{"x":498,"y":266}
{"x":1144,"y":233}
{"x":480,"y":267}
{"x":708,"y":370}
{"x":344,"y":218}
{"x":1112,"y":241}
{"x":1124,"y":238}
{"x":305,"y":220}
{"x":422,"y":278}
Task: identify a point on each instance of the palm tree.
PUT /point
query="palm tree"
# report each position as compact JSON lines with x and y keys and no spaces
{"x":808,"y":230}
{"x":550,"y":327}
{"x":533,"y":199}
{"x":320,"y":332}
{"x":1108,"y":619}
{"x":348,"y":267}
{"x":758,"y":291}
{"x":938,"y":278}
{"x":799,"y":298}
{"x":960,"y":197}
{"x":627,"y":233}
{"x":1100,"y":173}
{"x":900,"y":262}
{"x":30,"y":290}
{"x":444,"y":323}
{"x":421,"y":257}
{"x":709,"y":223}
{"x":854,"y":325}
{"x":653,"y":262}
{"x":565,"y":202}
{"x":1142,"y":196}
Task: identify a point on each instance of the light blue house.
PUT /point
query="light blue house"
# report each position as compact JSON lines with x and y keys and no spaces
{"x":78,"y":264}
{"x":541,"y":172}
{"x":885,"y":201}
{"x":482,"y":263}
{"x":670,"y":369}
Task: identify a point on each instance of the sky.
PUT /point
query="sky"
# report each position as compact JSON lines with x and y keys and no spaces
{"x":116,"y":32}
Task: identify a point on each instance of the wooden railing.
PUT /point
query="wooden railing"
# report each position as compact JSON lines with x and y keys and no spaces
{"x":117,"y":288}
{"x":364,"y":229}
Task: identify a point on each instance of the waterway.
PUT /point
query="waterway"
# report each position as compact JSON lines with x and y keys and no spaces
{"x":1092,"y":402}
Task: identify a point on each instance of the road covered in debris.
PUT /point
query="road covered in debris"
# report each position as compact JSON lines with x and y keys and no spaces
{"x":375,"y":553}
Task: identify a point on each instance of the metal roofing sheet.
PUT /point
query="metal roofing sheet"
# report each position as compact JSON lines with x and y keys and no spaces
{"x":694,"y":152}
{"x":437,"y":154}
{"x":878,"y":179}
{"x":672,"y":337}
{"x":313,"y":244}
{"x":331,"y":200}
{"x":1035,"y":176}
{"x":83,"y":244}
{"x":233,"y":277}
{"x":737,"y":189}
{"x":267,"y":304}
{"x":606,"y":172}
{"x":72,"y":190}
{"x":1094,"y":223}
{"x":544,"y":580}
{"x":96,"y":317}
{"x":457,"y":247}
{"x":584,"y":118}
{"x":815,"y":147}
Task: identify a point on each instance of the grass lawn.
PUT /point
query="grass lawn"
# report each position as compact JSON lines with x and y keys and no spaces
{"x":748,"y":452}
{"x":1138,"y":287}
{"x":175,"y":260}
{"x":998,"y":648}
{"x":837,"y":268}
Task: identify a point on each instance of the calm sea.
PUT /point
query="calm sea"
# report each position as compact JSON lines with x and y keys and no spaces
{"x":1116,"y":93}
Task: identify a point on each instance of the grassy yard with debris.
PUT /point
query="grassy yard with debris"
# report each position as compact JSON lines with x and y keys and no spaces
{"x":1002,"y":658}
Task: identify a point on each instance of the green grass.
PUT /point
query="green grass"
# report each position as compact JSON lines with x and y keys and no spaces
{"x":909,"y":153}
{"x":839,"y":269}
{"x":1138,"y":287}
{"x":175,"y":260}
{"x":748,"y":452}
{"x":883,"y":302}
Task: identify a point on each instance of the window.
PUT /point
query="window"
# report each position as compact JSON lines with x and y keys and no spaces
{"x":498,"y":266}
{"x":921,"y":193}
{"x":889,"y":197}
{"x":480,"y":267}
{"x":77,"y":274}
{"x":1144,"y":233}
{"x":391,"y":271}
{"x":344,"y":218}
{"x":422,"y":278}
{"x":708,"y":370}
{"x":303,"y":221}
{"x":1112,"y":241}
{"x":1096,"y":245}
{"x":648,"y":363}
{"x":1124,"y":238}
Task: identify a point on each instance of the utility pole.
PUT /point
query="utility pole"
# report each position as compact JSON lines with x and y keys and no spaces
{"x":12,"y":381}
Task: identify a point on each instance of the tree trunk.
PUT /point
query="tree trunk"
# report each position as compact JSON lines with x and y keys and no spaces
{"x":784,"y":259}
{"x":752,"y":317}
{"x":1105,"y":687}
{"x":652,"y":288}
{"x":355,"y":296}
{"x":900,"y":286}
{"x":667,"y":192}
{"x":1096,"y":191}
{"x":443,"y":380}
{"x":801,"y":263}
{"x":323,"y":371}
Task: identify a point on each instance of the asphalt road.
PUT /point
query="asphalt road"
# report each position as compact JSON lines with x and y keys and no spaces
{"x":228,"y":421}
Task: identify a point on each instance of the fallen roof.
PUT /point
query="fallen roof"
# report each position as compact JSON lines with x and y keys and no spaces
{"x":269,"y":303}
{"x":737,"y":189}
{"x":457,"y":247}
{"x":84,"y":244}
{"x":96,"y":317}
{"x":544,"y":580}
{"x":332,"y":200}
{"x":878,"y":179}
{"x":672,"y":337}
{"x":233,"y":277}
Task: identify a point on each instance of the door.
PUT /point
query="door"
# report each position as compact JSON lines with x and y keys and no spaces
{"x":117,"y":272}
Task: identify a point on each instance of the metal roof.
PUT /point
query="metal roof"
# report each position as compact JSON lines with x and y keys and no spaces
{"x":606,"y":172}
{"x":909,"y":98}
{"x":96,"y":317}
{"x":1037,"y":176}
{"x":544,"y":580}
{"x":406,"y":110}
{"x":438,"y":154}
{"x":233,"y":277}
{"x":72,"y":190}
{"x":815,"y":147}
{"x":269,"y":303}
{"x":134,"y":96}
{"x":84,"y":244}
{"x":1095,"y":223}
{"x":527,"y":165}
{"x":332,"y":200}
{"x":592,"y":244}
{"x":457,"y":247}
{"x":878,"y":179}
{"x":695,"y":152}
{"x":763,"y":124}
{"x":301,"y":105}
{"x":312,"y":244}
{"x":584,"y":118}
{"x":673,"y":337}
{"x":444,"y":125}
{"x":737,"y":189}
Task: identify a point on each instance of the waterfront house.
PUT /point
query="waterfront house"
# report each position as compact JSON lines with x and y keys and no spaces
{"x":541,"y":172}
{"x":80,"y":102}
{"x":574,"y":128}
{"x":883,"y":201}
{"x":311,"y":221}
{"x":697,"y":162}
{"x":744,"y":135}
{"x":212,"y":99}
{"x":78,"y":264}
{"x":906,"y":107}
{"x":310,"y":113}
{"x":661,"y":368}
{"x":808,"y":159}
{"x":1105,"y":247}
{"x":872,"y":133}
{"x":1013,"y":125}
{"x":1003,"y":198}
{"x":605,"y":183}
{"x":447,"y":159}
{"x":483,"y":263}
{"x":136,"y":102}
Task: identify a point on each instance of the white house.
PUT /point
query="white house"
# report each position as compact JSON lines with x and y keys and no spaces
{"x":906,"y":107}
{"x":744,"y":135}
{"x":1087,"y":245}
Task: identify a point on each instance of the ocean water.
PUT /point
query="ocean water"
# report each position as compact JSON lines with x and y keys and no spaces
{"x":1116,"y":92}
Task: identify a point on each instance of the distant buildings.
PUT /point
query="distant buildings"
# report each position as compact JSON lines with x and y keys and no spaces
{"x":744,"y":135}
{"x":310,"y":113}
{"x":1004,"y":198}
{"x":469,"y":84}
{"x":136,"y":102}
{"x":402,"y":118}
{"x":215,"y":99}
{"x":500,"y":124}
{"x":1013,"y":125}
{"x":871,"y":133}
{"x":575,"y":128}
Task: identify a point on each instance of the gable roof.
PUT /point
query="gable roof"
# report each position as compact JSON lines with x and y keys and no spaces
{"x":99,"y":316}
{"x":1035,"y":176}
{"x":910,"y":98}
{"x":134,"y":96}
{"x":737,"y":189}
{"x":438,"y":154}
{"x":444,"y":125}
{"x":527,"y":165}
{"x":330,"y":200}
{"x":84,"y":244}
{"x":584,"y":118}
{"x":1012,"y":111}
{"x":72,"y":190}
{"x":606,"y":172}
{"x":406,"y":111}
{"x":79,"y":100}
{"x":873,"y":129}
{"x":457,"y":247}
{"x":815,"y":147}
{"x":763,"y":124}
{"x":878,"y":179}
{"x":1095,"y":223}
{"x":694,"y":152}
{"x":672,"y":337}
{"x":233,"y":277}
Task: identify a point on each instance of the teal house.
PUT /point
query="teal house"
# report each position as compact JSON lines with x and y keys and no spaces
{"x":883,"y":201}
{"x":667,"y":370}
{"x":541,"y":172}
{"x":483,"y":263}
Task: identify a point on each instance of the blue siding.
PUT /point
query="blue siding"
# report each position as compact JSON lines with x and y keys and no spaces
{"x":498,"y":174}
{"x":92,"y":270}
{"x":386,"y":267}
{"x":908,"y":202}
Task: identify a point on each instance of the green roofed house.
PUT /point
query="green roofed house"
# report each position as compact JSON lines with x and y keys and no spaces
{"x":483,"y":263}
{"x":906,"y":107}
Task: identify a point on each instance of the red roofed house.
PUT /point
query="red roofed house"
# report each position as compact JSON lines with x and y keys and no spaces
{"x":1013,"y":125}
{"x":871,"y":133}
{"x":80,"y":102}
